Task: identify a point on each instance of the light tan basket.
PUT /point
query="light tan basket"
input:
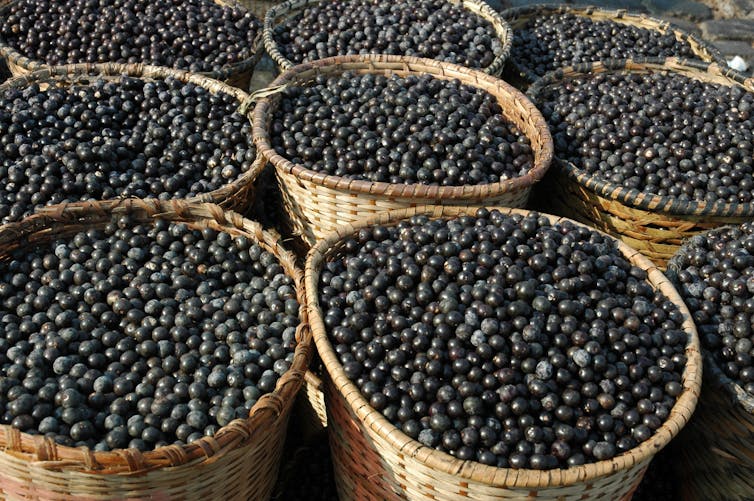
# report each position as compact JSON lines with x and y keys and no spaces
{"x":282,"y":12}
{"x":652,"y":224}
{"x":237,"y":75}
{"x":318,"y":203}
{"x":518,"y":17}
{"x":240,"y":462}
{"x":715,"y":450}
{"x":237,"y":195}
{"x":375,"y":460}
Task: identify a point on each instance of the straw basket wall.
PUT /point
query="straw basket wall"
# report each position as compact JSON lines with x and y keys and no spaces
{"x":237,"y":75}
{"x":714,"y":450}
{"x":240,"y":462}
{"x":318,"y":203}
{"x":375,"y":460}
{"x":284,"y":11}
{"x":237,"y":195}
{"x":518,"y":17}
{"x":652,"y":224}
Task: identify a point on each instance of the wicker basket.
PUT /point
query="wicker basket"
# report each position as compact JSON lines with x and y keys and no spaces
{"x":375,"y":460}
{"x":240,"y":462}
{"x":517,"y":17}
{"x":652,"y":224}
{"x":237,"y":75}
{"x":318,"y":203}
{"x":238,"y":195}
{"x":283,"y":11}
{"x":715,"y":450}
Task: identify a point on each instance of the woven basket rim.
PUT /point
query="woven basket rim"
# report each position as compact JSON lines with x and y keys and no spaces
{"x":478,"y":7}
{"x":470,"y":470}
{"x":706,"y":51}
{"x":77,"y":73}
{"x":631,"y":196}
{"x":15,"y":56}
{"x":65,"y":219}
{"x":713,"y":374}
{"x":388,"y":64}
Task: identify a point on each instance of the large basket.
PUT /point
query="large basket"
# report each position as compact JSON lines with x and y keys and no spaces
{"x":240,"y":462}
{"x":652,"y":224}
{"x":715,"y":449}
{"x":375,"y":460}
{"x":237,"y":195}
{"x":280,"y":13}
{"x":517,"y":17}
{"x":318,"y":203}
{"x":237,"y":75}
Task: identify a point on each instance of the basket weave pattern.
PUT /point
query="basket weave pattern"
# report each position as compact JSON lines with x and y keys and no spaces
{"x":375,"y":460}
{"x":318,"y":203}
{"x":518,"y":17}
{"x":281,"y":12}
{"x":653,"y":224}
{"x":239,"y":462}
{"x":715,"y":449}
{"x":238,"y":74}
{"x":237,"y":195}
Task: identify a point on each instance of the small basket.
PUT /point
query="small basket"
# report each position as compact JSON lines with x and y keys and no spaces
{"x":318,"y":203}
{"x":237,"y":195}
{"x":240,"y":462}
{"x":655,"y":225}
{"x":375,"y":460}
{"x":517,"y":17}
{"x":237,"y":75}
{"x":281,"y":12}
{"x":714,"y":450}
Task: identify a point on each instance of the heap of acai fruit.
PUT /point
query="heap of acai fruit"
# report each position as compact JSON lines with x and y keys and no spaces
{"x":435,"y":29}
{"x":194,"y":35}
{"x":412,"y":130}
{"x":141,"y":335}
{"x":660,"y":133}
{"x":117,"y":137}
{"x":510,"y":340}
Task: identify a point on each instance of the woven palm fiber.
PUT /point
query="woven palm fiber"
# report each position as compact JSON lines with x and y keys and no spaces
{"x":240,"y":462}
{"x":716,"y":450}
{"x":517,"y":17}
{"x":284,"y":11}
{"x":258,"y":7}
{"x":655,"y":225}
{"x":375,"y":460}
{"x":318,"y":203}
{"x":237,"y":195}
{"x":237,"y":75}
